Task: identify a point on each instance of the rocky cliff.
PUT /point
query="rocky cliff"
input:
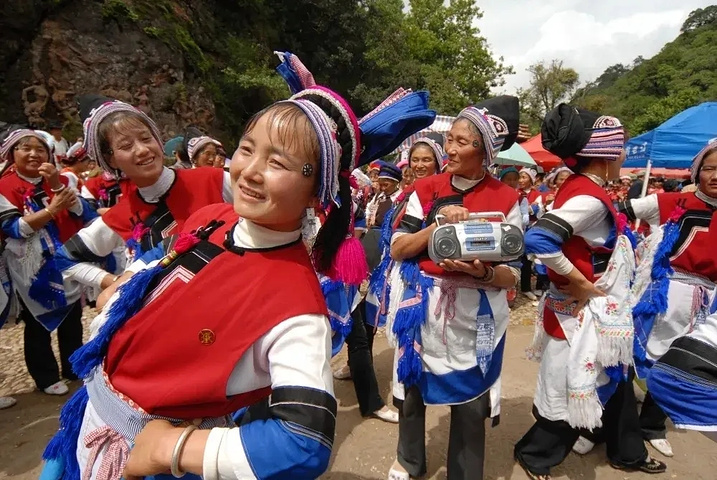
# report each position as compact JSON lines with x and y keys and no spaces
{"x":143,"y":52}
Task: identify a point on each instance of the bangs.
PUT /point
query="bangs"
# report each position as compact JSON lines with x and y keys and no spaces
{"x":289,"y":126}
{"x":121,"y":123}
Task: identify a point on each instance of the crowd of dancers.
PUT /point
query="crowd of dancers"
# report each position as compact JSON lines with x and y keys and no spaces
{"x":226,"y":286}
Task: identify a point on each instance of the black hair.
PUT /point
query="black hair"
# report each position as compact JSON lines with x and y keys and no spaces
{"x":334,"y":230}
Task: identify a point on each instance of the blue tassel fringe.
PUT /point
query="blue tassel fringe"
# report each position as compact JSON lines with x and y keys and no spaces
{"x":130,"y":301}
{"x":654,"y":300}
{"x":63,"y":446}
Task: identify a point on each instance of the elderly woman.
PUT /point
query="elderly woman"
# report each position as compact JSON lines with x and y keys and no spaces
{"x":674,"y":299}
{"x":38,"y":212}
{"x":205,"y":151}
{"x":583,"y":352}
{"x":451,"y":322}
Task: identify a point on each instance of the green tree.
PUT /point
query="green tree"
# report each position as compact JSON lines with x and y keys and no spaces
{"x":550,"y":84}
{"x":699,"y":18}
{"x":454,"y":60}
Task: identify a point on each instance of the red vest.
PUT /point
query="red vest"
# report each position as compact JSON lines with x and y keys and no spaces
{"x":532,"y":195}
{"x":114,"y":189}
{"x":576,"y":249}
{"x":434,"y":192}
{"x":192,"y":190}
{"x":694,"y":250}
{"x":174,"y":358}
{"x":15,"y":188}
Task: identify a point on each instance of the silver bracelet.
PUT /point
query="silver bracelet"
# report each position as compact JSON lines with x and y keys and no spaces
{"x":58,"y":190}
{"x":174,"y":468}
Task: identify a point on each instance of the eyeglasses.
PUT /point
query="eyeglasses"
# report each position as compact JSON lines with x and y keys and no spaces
{"x":28,"y":150}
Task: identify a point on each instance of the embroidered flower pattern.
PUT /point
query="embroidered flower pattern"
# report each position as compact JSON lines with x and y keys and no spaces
{"x":589,"y":366}
{"x":611,"y":308}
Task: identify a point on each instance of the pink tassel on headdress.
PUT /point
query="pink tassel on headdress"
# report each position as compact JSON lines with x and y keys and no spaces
{"x":350,"y":265}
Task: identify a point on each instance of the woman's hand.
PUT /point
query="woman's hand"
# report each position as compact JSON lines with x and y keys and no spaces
{"x":50,"y":173}
{"x":474,"y":268}
{"x":62,"y":201}
{"x":454,"y":213}
{"x":580,"y":291}
{"x":152,"y":451}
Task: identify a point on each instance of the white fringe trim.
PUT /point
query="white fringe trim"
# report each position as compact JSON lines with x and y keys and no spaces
{"x":585,"y":412}
{"x":26,"y":255}
{"x":535,"y":351}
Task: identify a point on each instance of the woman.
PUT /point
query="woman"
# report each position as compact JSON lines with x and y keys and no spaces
{"x":407,"y":176}
{"x":583,"y":352}
{"x":530,"y":195}
{"x":673,"y":300}
{"x":37,"y":214}
{"x":204,"y":151}
{"x":292,"y":155}
{"x":451,"y":318}
{"x":75,"y":163}
{"x":425,"y":156}
{"x":157,"y":200}
{"x":683,"y":382}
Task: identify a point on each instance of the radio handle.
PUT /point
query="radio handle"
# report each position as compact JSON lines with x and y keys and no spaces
{"x":440,"y":219}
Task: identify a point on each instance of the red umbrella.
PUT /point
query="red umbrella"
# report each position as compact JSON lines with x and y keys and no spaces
{"x":542,"y":157}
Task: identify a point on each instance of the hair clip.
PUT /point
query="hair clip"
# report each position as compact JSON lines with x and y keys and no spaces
{"x":476,"y":144}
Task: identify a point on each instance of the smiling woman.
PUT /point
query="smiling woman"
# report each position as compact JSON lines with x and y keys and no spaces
{"x":37,"y":213}
{"x":218,"y":316}
{"x":154,"y":201}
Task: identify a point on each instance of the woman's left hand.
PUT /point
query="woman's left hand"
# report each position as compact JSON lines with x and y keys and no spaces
{"x":474,"y":268}
{"x":152,"y":451}
{"x":50,"y":173}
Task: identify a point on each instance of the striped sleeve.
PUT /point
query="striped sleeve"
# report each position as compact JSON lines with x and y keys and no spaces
{"x":291,"y":435}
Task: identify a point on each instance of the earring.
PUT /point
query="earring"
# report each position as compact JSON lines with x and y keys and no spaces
{"x":476,"y":144}
{"x":307,"y":170}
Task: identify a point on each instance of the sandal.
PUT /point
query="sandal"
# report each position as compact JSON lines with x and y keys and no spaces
{"x":531,"y":475}
{"x":649,"y":465}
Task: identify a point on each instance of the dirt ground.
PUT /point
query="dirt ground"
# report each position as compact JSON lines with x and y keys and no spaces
{"x":364,"y":448}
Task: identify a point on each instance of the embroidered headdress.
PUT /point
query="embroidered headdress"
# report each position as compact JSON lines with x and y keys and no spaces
{"x":700,"y":159}
{"x":571,"y":132}
{"x":196,"y":144}
{"x":13,"y":137}
{"x":390,"y":172}
{"x":434,"y":146}
{"x":345,"y":142}
{"x":497,"y":120}
{"x":94,"y":109}
{"x":75,"y":154}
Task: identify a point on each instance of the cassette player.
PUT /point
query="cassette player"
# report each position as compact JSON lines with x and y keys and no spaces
{"x":480,"y":237}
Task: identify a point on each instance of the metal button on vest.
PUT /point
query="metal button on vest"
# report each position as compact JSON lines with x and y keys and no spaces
{"x":207,"y":337}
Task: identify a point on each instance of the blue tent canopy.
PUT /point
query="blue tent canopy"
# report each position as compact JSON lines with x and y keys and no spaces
{"x":674,"y":143}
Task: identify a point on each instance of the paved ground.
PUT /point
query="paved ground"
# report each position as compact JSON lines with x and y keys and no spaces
{"x":364,"y":448}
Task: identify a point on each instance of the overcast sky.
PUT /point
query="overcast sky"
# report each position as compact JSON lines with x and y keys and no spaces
{"x":588,"y":35}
